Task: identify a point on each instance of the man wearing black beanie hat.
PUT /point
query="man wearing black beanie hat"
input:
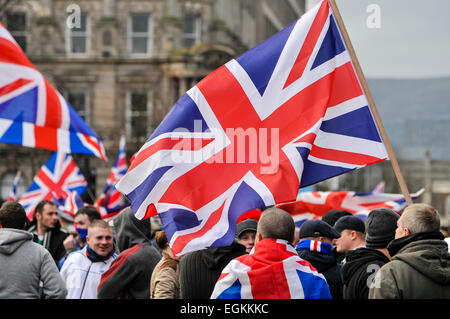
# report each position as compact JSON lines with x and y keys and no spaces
{"x":362,"y":264}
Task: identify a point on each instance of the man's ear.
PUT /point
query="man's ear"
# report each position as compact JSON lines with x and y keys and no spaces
{"x":258,"y":237}
{"x":407,"y":232}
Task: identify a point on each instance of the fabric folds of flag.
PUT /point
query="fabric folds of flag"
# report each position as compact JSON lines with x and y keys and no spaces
{"x":56,"y":178}
{"x":295,"y":97}
{"x":13,"y":192}
{"x":110,"y":203}
{"x":33,"y":113}
{"x":69,"y":206}
{"x":313,"y":205}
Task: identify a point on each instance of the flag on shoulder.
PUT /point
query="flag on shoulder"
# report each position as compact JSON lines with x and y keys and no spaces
{"x":298,"y":100}
{"x":56,"y":178}
{"x":33,"y":113}
{"x":313,"y":205}
{"x":272,"y":270}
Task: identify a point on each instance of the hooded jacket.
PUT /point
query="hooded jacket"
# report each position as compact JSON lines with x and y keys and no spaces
{"x":129,"y":275}
{"x":53,"y":240}
{"x":199,"y":270}
{"x":419,"y":269}
{"x":23,"y":265}
{"x":359,"y":270}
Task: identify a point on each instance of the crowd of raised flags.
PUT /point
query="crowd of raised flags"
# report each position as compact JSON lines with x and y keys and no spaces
{"x":310,"y":93}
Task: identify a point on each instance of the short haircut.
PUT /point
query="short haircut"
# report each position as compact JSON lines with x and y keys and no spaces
{"x":90,"y":211}
{"x":99,"y":223}
{"x":12,"y":215}
{"x":420,"y":218}
{"x":276,"y":223}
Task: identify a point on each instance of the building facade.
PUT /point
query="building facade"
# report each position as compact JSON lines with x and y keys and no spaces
{"x":122,"y":64}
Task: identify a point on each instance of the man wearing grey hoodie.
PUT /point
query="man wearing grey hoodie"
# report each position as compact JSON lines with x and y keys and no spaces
{"x":27,"y":269}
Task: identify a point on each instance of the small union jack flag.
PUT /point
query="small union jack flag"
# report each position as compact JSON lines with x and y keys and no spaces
{"x":33,"y":113}
{"x":56,"y":178}
{"x":296,"y":95}
{"x":111,"y":201}
{"x":69,"y":206}
{"x":13,"y":192}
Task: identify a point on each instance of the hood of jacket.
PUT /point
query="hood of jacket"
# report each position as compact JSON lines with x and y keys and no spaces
{"x":322,"y":262}
{"x":130,"y":231}
{"x":218,"y":257}
{"x":426,"y":254}
{"x":11,"y":239}
{"x":358,"y":258}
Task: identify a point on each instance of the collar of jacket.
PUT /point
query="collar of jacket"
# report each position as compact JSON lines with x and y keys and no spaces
{"x":397,"y":244}
{"x":314,"y":245}
{"x":94,"y":257}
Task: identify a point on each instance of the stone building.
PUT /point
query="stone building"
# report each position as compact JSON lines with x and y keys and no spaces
{"x":122,"y":64}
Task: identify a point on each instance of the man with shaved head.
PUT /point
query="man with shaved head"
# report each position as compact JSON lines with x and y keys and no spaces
{"x":420,"y":265}
{"x":273,"y":268}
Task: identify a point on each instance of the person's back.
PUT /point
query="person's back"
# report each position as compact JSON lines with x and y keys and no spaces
{"x":129,"y":275}
{"x":199,"y":270}
{"x":273,"y":269}
{"x":24,"y":264}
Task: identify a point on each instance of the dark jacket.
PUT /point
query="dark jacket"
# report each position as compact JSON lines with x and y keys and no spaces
{"x":199,"y":270}
{"x":419,"y":269}
{"x":359,"y":270}
{"x":326,"y":264}
{"x":53,"y":240}
{"x":129,"y":275}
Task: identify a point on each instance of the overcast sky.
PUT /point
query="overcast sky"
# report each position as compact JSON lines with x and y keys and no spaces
{"x":413,"y":40}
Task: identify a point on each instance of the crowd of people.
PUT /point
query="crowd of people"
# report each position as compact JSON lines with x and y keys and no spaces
{"x":339,"y":256}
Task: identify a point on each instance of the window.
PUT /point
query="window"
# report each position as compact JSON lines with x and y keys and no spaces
{"x":79,"y":100}
{"x":16,"y":23}
{"x":77,"y":39}
{"x":191,"y":30}
{"x":138,"y":116}
{"x":7,"y":184}
{"x":139,"y":38}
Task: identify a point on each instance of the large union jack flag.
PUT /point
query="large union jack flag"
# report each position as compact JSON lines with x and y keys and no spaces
{"x":56,"y":178}
{"x":33,"y":113}
{"x":313,"y":205}
{"x":301,"y":86}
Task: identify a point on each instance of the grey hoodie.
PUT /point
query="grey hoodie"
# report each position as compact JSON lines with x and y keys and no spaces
{"x":24,"y":266}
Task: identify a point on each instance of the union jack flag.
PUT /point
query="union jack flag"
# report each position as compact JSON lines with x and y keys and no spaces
{"x":111,"y":201}
{"x":302,"y":87}
{"x":70,"y":205}
{"x":56,"y":178}
{"x":33,"y":113}
{"x":313,"y":205}
{"x":13,"y":192}
{"x":272,"y":270}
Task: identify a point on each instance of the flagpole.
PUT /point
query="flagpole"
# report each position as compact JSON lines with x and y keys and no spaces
{"x":371,"y":101}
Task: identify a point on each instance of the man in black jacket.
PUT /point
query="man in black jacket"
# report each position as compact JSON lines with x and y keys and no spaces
{"x":363,"y":263}
{"x":316,"y":237}
{"x":47,"y":231}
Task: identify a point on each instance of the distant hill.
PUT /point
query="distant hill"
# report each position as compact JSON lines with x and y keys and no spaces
{"x":416,"y":115}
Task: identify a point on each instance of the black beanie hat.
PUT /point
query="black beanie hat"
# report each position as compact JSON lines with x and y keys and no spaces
{"x":351,"y":223}
{"x":381,"y":224}
{"x":333,"y":215}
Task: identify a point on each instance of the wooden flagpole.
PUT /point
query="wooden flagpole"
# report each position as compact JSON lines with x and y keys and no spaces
{"x":372,"y":106}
